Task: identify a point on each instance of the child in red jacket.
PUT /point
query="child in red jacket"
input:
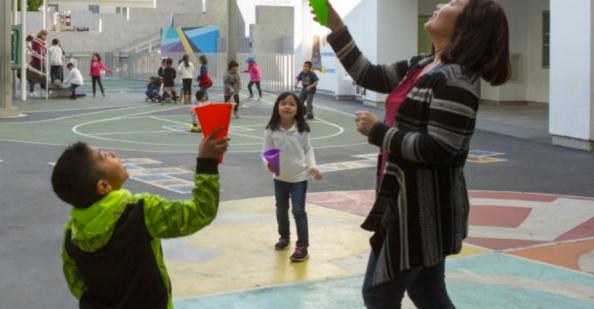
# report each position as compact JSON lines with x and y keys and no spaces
{"x":96,"y":67}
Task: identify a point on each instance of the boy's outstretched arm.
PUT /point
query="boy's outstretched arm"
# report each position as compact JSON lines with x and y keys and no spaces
{"x":174,"y":218}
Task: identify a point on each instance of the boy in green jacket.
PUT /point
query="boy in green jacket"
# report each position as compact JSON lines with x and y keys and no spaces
{"x":112,"y":246}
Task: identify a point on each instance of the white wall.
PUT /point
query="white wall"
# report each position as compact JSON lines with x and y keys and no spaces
{"x":572,"y":67}
{"x":538,"y":77}
{"x":274,"y":23}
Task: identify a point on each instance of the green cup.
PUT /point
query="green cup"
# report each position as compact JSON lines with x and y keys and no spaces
{"x":321,"y":11}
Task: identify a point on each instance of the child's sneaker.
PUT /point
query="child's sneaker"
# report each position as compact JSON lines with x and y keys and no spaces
{"x":299,"y":255}
{"x":235,"y":114}
{"x":282,"y":243}
{"x":195,"y":129}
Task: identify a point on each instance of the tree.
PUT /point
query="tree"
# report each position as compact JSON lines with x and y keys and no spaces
{"x":32,"y":5}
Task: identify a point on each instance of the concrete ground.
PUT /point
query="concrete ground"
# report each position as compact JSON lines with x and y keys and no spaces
{"x":531,"y":242}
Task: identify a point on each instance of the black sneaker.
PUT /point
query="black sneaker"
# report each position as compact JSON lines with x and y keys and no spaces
{"x":282,"y":243}
{"x":299,"y":255}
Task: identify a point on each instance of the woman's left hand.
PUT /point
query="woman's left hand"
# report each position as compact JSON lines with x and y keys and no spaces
{"x":365,"y":121}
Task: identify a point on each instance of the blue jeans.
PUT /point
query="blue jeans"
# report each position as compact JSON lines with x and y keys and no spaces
{"x":296,"y":192}
{"x":425,"y":286}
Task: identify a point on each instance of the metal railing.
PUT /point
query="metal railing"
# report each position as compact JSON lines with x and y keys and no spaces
{"x":277,"y":70}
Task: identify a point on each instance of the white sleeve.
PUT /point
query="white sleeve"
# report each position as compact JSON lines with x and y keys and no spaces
{"x":310,"y":157}
{"x":268,"y":144}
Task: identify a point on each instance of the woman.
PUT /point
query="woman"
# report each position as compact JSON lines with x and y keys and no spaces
{"x":37,"y":63}
{"x":421,"y":211}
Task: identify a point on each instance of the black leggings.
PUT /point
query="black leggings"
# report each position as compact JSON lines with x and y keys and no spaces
{"x":187,"y":86}
{"x":235,"y":98}
{"x":97,"y":79}
{"x":250,"y":84}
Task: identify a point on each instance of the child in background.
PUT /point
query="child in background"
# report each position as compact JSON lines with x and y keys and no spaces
{"x":309,"y":80}
{"x":200,"y":99}
{"x":153,"y":88}
{"x":186,"y":72}
{"x":75,"y":79}
{"x":232,"y":85}
{"x":96,"y":67}
{"x":111,"y":250}
{"x":255,"y":77}
{"x":56,"y":61}
{"x":169,"y":75}
{"x":288,"y":130}
{"x":204,"y":80}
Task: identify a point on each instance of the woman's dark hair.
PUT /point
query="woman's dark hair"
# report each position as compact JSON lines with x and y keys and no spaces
{"x":98,"y":56}
{"x":232,"y":64}
{"x":203,"y":59}
{"x":481,"y":41}
{"x":75,"y":176}
{"x":186,"y":60}
{"x":274,"y":123}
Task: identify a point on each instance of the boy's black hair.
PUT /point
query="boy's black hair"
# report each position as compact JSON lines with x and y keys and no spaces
{"x":308,"y":63}
{"x":169,"y":61}
{"x":163,"y":61}
{"x":75,"y":176}
{"x":70,"y":65}
{"x":203,"y":59}
{"x":274,"y":123}
{"x":199,"y":95}
{"x":232,"y":64}
{"x":55,"y":42}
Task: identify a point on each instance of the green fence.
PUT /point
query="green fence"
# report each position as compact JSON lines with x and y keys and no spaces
{"x":15,"y":47}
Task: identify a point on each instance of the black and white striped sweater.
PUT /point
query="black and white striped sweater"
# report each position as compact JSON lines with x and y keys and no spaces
{"x":421,"y":211}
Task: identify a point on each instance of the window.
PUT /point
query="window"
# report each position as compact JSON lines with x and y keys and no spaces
{"x":93,"y":8}
{"x":53,"y":8}
{"x":118,"y":10}
{"x":546,"y":39}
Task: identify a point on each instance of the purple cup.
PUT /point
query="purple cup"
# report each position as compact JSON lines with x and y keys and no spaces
{"x":272,"y":156}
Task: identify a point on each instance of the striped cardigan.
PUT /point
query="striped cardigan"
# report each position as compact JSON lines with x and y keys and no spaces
{"x":421,"y":211}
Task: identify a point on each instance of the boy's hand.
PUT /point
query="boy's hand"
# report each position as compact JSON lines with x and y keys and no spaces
{"x":317,"y":175}
{"x":213,"y":148}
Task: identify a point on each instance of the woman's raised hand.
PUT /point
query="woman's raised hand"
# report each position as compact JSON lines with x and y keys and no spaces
{"x":334,"y":21}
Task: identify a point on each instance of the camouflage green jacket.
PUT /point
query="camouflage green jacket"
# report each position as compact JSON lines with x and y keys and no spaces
{"x":90,"y":229}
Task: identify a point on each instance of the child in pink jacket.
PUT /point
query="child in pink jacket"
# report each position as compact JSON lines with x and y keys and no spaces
{"x":96,"y":67}
{"x":254,"y":71}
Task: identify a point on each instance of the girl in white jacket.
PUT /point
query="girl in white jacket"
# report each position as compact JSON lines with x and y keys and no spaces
{"x":288,"y":131}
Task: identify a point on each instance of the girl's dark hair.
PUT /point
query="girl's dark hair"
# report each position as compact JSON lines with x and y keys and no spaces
{"x":98,"y":56}
{"x":232,"y":64}
{"x":203,"y":59}
{"x":481,"y":41}
{"x":274,"y":123}
{"x":186,"y":60}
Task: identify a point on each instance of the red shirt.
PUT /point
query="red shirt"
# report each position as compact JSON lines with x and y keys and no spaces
{"x":393,"y":103}
{"x":96,"y":67}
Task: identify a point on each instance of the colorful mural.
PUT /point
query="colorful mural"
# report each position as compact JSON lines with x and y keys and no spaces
{"x":190,"y":39}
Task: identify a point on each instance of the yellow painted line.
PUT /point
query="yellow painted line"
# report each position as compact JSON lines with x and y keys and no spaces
{"x":184,"y":40}
{"x":469,"y":250}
